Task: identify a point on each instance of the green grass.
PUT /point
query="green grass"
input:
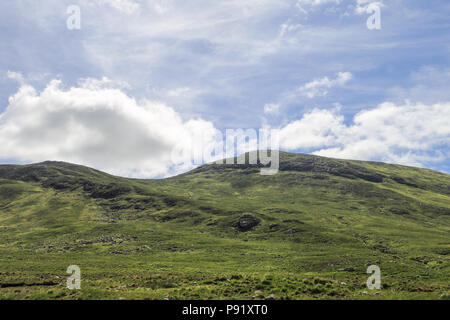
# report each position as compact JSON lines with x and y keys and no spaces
{"x":180,"y":238}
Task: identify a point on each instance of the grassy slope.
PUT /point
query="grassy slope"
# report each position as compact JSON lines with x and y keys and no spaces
{"x":180,"y":238}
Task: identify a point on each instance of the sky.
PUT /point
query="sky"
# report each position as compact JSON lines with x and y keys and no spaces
{"x":139,"y":78}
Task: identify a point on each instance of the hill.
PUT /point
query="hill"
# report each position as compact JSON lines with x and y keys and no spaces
{"x":225,"y":231}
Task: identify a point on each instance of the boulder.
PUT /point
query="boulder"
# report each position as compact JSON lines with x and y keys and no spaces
{"x":247,"y":222}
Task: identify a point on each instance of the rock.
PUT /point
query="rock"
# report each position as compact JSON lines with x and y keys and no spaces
{"x":274,"y":227}
{"x":349,"y":269}
{"x":247,"y":222}
{"x":271,"y":297}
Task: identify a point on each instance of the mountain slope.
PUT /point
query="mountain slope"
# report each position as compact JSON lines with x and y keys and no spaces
{"x":288,"y":234}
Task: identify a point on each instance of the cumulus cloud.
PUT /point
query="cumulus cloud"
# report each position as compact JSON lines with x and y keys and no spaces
{"x":408,"y":134}
{"x":319,"y":87}
{"x":315,"y":129}
{"x":100,"y":127}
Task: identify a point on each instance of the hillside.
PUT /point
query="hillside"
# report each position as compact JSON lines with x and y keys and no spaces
{"x":225,"y":231}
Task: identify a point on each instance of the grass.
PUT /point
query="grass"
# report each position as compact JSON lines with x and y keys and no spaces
{"x":226,"y":232}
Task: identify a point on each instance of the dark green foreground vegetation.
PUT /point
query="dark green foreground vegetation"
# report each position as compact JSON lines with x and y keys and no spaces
{"x":226,"y":232}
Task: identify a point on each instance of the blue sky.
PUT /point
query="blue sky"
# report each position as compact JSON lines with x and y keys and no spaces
{"x":310,"y":68}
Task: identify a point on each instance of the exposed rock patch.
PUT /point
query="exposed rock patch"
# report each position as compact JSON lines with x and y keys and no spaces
{"x":246,"y":223}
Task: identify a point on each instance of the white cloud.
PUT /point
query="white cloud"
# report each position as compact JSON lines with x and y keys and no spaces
{"x":209,"y":45}
{"x":316,"y":2}
{"x":358,"y":6}
{"x":319,"y":87}
{"x":286,"y":28}
{"x":16,"y":76}
{"x":99,"y":127}
{"x":125,"y":6}
{"x":271,"y":108}
{"x":179,"y":92}
{"x":103,"y":83}
{"x":429,"y":85}
{"x":31,"y":77}
{"x":302,"y":4}
{"x":161,"y":6}
{"x":316,"y":129}
{"x":408,"y":134}
{"x":367,"y":6}
{"x":227,"y":28}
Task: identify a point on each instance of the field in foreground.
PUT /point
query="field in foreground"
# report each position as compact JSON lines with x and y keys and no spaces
{"x":226,"y":232}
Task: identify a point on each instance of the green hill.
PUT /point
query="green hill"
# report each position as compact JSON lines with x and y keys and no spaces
{"x":225,"y":231}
